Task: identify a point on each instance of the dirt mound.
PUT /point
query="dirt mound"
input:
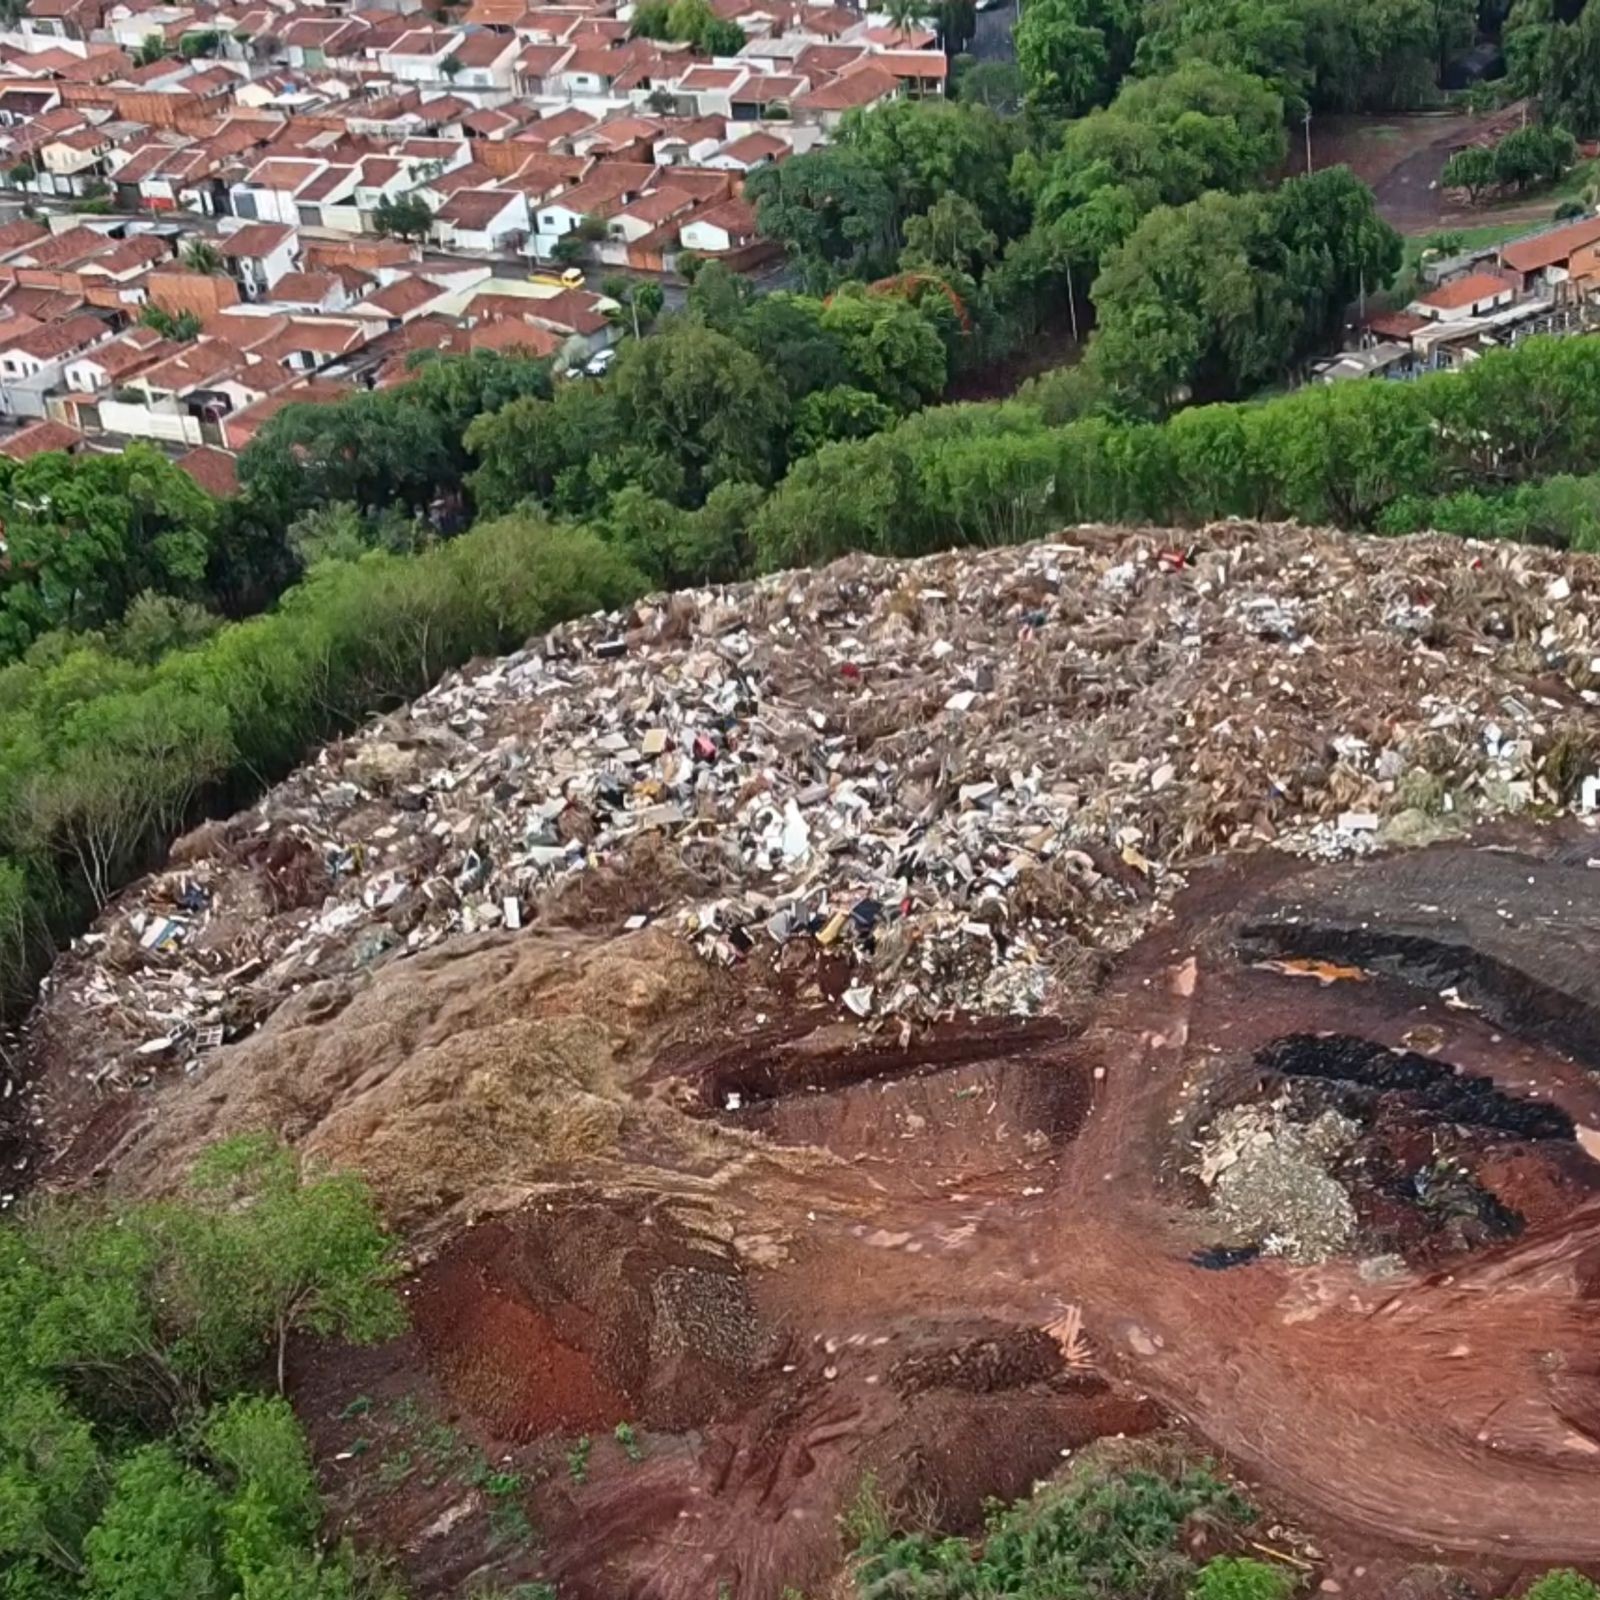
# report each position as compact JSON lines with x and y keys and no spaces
{"x":456,"y":1082}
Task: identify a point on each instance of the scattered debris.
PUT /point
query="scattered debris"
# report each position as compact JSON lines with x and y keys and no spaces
{"x":1028,"y":747}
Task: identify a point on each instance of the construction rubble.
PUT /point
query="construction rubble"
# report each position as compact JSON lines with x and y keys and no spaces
{"x":942,"y":780}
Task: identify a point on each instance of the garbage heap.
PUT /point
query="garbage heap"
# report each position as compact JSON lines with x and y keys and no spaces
{"x":950,"y":778}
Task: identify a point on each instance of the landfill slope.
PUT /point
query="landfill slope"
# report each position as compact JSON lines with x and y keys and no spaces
{"x":921,"y":1018}
{"x":962,"y":780}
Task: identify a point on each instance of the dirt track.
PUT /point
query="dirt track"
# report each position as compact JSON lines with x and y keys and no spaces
{"x":883,"y":1309}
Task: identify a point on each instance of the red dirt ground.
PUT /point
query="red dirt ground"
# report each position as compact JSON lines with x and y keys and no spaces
{"x":884,"y":1312}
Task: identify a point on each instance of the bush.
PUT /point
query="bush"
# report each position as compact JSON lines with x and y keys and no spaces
{"x":1563,"y":1584}
{"x":134,"y":1459}
{"x":1109,"y":1531}
{"x":1240,"y":1578}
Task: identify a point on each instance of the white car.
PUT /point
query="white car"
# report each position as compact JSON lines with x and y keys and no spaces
{"x":600,"y":363}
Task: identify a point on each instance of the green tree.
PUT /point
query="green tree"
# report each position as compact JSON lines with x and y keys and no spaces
{"x":406,"y":216}
{"x":994,"y":85}
{"x":640,"y":300}
{"x":651,"y":20}
{"x":200,"y":255}
{"x":698,"y":399}
{"x":1562,"y":1584}
{"x":890,"y":349}
{"x":183,"y":327}
{"x":1074,"y":53}
{"x":826,"y":415}
{"x":1533,"y":155}
{"x":949,"y":237}
{"x":832,"y":210}
{"x":152,"y":48}
{"x":926,"y":149}
{"x":85,"y":534}
{"x":785,"y":332}
{"x":1241,"y":1578}
{"x":205,"y":42}
{"x":1473,"y":169}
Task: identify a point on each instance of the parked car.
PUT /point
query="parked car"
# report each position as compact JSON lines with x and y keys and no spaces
{"x":599,"y":363}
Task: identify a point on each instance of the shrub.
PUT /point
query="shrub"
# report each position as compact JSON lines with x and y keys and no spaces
{"x":1240,"y":1578}
{"x":1563,"y":1584}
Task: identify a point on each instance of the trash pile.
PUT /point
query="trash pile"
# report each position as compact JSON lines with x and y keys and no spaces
{"x":1268,"y":1180}
{"x":949,"y":778}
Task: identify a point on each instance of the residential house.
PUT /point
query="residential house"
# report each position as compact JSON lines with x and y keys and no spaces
{"x":485,"y":66}
{"x":747,"y":153}
{"x":31,"y":362}
{"x":258,"y":255}
{"x":106,"y":365}
{"x":269,"y":191}
{"x":41,"y":438}
{"x":1544,"y":259}
{"x":1473,"y":296}
{"x":482,"y":220}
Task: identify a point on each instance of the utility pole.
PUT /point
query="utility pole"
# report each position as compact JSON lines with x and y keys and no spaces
{"x":1308,"y":141}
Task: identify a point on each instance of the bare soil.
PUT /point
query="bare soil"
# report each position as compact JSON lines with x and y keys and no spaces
{"x":866,"y":1266}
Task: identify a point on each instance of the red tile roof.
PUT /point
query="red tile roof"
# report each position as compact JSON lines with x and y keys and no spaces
{"x":40,"y":438}
{"x":213,"y":470}
{"x":1551,"y":248}
{"x":1464,"y":292}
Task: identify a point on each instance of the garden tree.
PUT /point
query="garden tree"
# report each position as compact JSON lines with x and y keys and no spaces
{"x":694,"y":397}
{"x":1223,"y":294}
{"x":85,"y":534}
{"x":200,"y":255}
{"x":1265,"y":38}
{"x":1166,"y":140}
{"x":1064,"y":61}
{"x":534,"y":449}
{"x":677,"y":546}
{"x":832,"y":210}
{"x":640,"y":301}
{"x":994,"y":85}
{"x":890,"y":348}
{"x":955,"y":22}
{"x":366,"y":449}
{"x":1184,"y":306}
{"x":152,"y":48}
{"x":1472,"y":169}
{"x":695,"y":23}
{"x":1535,"y":154}
{"x":1553,"y":55}
{"x":949,"y":236}
{"x":450,"y":66}
{"x":205,"y":42}
{"x":1333,"y":247}
{"x":786,"y":333}
{"x":406,"y":216}
{"x":718,"y":296}
{"x":1074,"y":53}
{"x":182,"y":327}
{"x":650,"y":20}
{"x":394,"y":450}
{"x":340,"y":532}
{"x":155,"y":624}
{"x":1372,"y":55}
{"x":926,"y":149}
{"x":841,"y":412}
